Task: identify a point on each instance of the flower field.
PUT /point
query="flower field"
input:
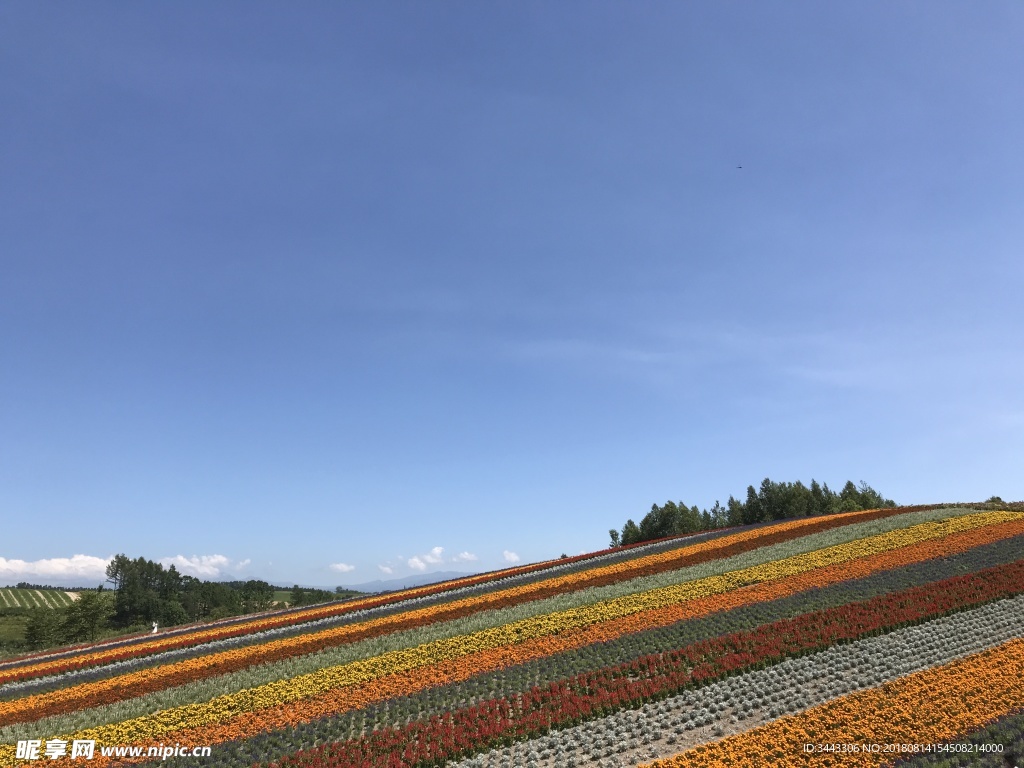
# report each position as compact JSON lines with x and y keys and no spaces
{"x":869,"y":638}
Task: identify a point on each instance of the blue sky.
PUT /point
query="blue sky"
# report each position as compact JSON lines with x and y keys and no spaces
{"x":404,"y":287}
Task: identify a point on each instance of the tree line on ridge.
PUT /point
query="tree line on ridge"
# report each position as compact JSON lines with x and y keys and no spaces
{"x":772,"y":501}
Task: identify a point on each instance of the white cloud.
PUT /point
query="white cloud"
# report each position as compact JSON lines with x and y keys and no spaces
{"x":77,"y":567}
{"x":200,"y":566}
{"x":243,"y":563}
{"x":433,"y":557}
{"x":342,"y":567}
{"x":510,"y":557}
{"x":464,"y":557}
{"x":386,"y":569}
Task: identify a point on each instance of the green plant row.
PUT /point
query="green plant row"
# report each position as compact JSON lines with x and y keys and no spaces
{"x":206,"y":689}
{"x":436,"y":701}
{"x":11,"y":597}
{"x":997,"y":745}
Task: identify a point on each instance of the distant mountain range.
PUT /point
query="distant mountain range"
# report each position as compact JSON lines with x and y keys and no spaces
{"x":388,"y":585}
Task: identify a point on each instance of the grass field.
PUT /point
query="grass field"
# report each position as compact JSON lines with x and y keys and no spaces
{"x":10,"y":597}
{"x":15,"y":608}
{"x":12,"y":633}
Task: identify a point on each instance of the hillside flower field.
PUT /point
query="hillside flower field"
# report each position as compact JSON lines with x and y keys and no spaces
{"x":873,"y":638}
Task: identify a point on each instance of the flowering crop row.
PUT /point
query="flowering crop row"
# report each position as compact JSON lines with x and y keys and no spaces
{"x":226,"y":717}
{"x":998,"y":618}
{"x":467,"y":730}
{"x":195,"y":691}
{"x":197,"y":632}
{"x":23,"y":667}
{"x":229,"y":718}
{"x":500,"y":657}
{"x":301,"y":620}
{"x":541,"y":672}
{"x":481,"y":619}
{"x":1006,"y":732}
{"x":750,"y":698}
{"x":439,"y":674}
{"x":598,"y":576}
{"x":268,"y":654}
{"x":927,"y":707}
{"x":311,"y":613}
{"x":232,"y":627}
{"x":132,"y":684}
{"x":319,"y":641}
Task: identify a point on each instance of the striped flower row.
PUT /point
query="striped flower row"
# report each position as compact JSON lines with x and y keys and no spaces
{"x":157,"y":726}
{"x":132,"y":684}
{"x":625,"y":565}
{"x":655,"y":676}
{"x":346,"y":698}
{"x":928,"y":707}
{"x":542,"y":672}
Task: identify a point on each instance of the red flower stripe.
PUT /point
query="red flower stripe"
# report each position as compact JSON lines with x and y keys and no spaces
{"x":719,"y":548}
{"x":245,"y":724}
{"x":566,"y":702}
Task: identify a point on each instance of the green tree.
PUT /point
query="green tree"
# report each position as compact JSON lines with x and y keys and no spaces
{"x":86,"y":617}
{"x":172,"y":613}
{"x":736,"y":513}
{"x":43,"y":629}
{"x":798,"y":500}
{"x":872,"y":499}
{"x":819,"y":503}
{"x":719,"y":516}
{"x":659,"y":522}
{"x":752,"y":512}
{"x":707,"y":520}
{"x":831,"y":500}
{"x":613,"y":536}
{"x":771,"y":502}
{"x":687,"y":520}
{"x":257,"y":596}
{"x":849,"y":498}
{"x":630,"y":533}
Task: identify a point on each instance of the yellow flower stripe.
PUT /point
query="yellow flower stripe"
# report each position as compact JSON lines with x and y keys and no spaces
{"x":928,"y":707}
{"x":256,"y":654}
{"x":150,"y":728}
{"x":56,"y":665}
{"x":267,"y":620}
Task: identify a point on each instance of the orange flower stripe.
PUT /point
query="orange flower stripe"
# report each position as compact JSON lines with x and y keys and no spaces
{"x":251,"y":723}
{"x":497,"y":598}
{"x":928,"y":707}
{"x":271,"y":621}
{"x":125,"y":686}
{"x":267,"y":621}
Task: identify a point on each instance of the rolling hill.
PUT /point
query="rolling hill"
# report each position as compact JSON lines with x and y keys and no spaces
{"x":13,"y":597}
{"x":865,"y":638}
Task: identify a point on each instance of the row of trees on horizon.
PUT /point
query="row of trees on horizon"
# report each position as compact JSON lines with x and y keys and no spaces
{"x":144,"y":591}
{"x":772,"y":501}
